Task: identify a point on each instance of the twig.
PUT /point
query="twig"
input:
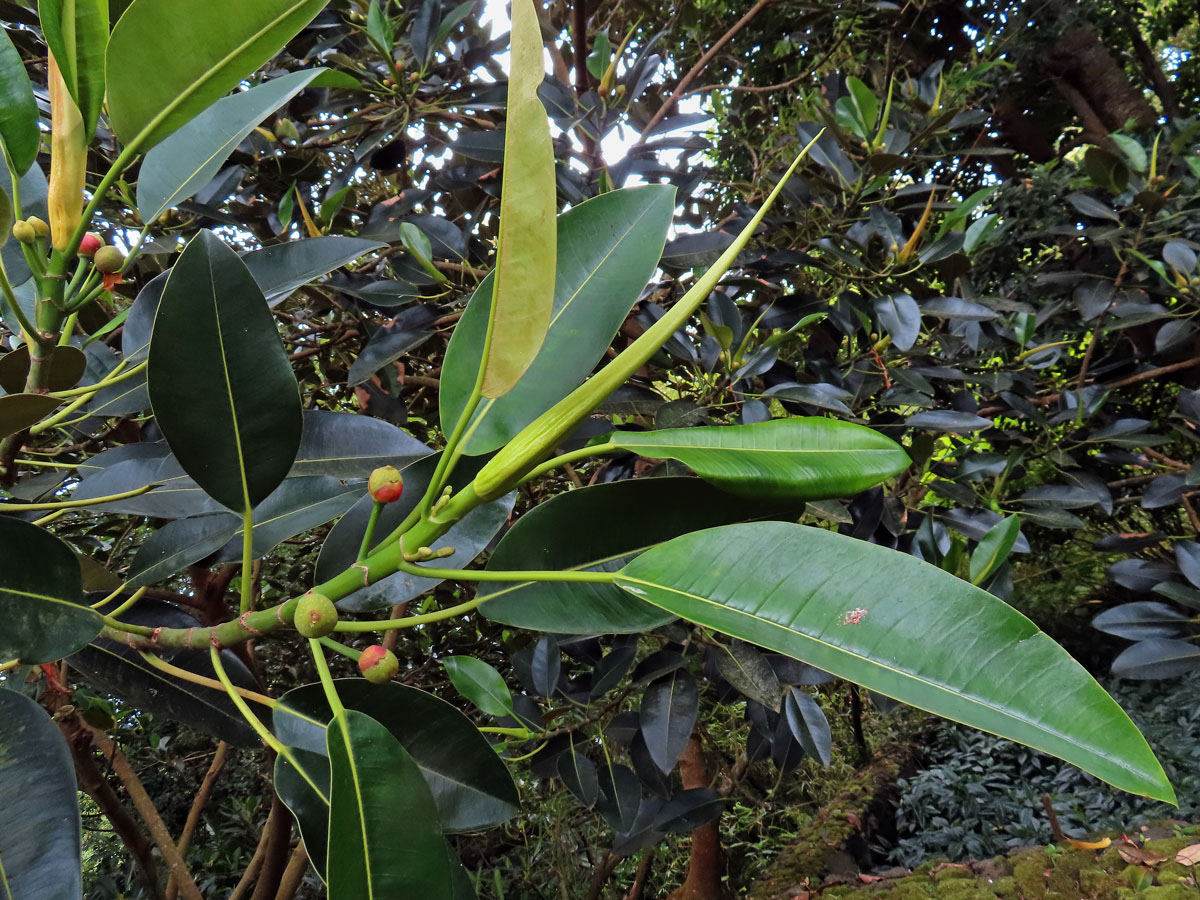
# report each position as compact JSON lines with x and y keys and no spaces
{"x":149,"y":813}
{"x":252,"y":869}
{"x":1054,"y":826}
{"x":695,"y":70}
{"x":279,"y":837}
{"x":638,"y":888}
{"x":293,"y":875}
{"x":193,"y":818}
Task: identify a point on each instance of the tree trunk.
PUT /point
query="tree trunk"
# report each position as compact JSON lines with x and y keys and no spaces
{"x":705,"y":867}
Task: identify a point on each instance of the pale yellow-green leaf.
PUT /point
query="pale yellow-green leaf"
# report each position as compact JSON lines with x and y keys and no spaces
{"x":523,"y":297}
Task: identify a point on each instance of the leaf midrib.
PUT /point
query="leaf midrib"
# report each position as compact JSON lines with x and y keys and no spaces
{"x":619,"y":578}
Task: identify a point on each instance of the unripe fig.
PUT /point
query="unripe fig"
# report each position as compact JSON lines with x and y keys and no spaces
{"x":385,"y":485}
{"x":378,"y":664}
{"x":23,"y":232}
{"x":108,"y":260}
{"x":90,"y":244}
{"x":315,"y":615}
{"x":40,"y":228}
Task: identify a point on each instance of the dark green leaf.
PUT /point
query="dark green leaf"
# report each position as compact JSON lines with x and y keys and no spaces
{"x":805,"y":458}
{"x":348,"y":445}
{"x":220,"y":382}
{"x":901,"y":316}
{"x":579,"y":775}
{"x":187,"y":160}
{"x":297,"y":505}
{"x":305,"y":791}
{"x":480,"y":683}
{"x":667,"y":715}
{"x":40,"y":589}
{"x":1141,"y":620}
{"x":19,"y":133}
{"x":178,"y":544}
{"x":154,"y":86}
{"x":744,"y":667}
{"x":39,"y":809}
{"x":471,"y":785}
{"x":1157,"y":658}
{"x":809,"y":725}
{"x":384,"y":838}
{"x":19,"y":411}
{"x":608,"y":247}
{"x":948,"y":420}
{"x":67,"y":365}
{"x":900,"y":627}
{"x":1090,"y":206}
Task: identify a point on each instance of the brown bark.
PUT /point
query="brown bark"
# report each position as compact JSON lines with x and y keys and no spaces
{"x":275,"y":858}
{"x":95,"y":785}
{"x":193,"y":818}
{"x":293,"y":875}
{"x":705,"y":864}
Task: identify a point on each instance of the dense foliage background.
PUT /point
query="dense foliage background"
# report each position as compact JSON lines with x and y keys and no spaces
{"x":991,"y":256}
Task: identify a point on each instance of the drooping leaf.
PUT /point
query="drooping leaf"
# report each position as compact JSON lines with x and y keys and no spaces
{"x":76,"y":32}
{"x":948,"y":420}
{"x":523,"y":297}
{"x":580,"y":776}
{"x":39,"y":811}
{"x":19,"y":133}
{"x":281,"y":268}
{"x":902,"y":628}
{"x":808,"y":724}
{"x":220,"y":382}
{"x":411,"y":328}
{"x":901,"y":316}
{"x":667,"y":715}
{"x":608,"y":247}
{"x":296,"y":506}
{"x":745,"y":667}
{"x":480,"y":683}
{"x":154,"y":86}
{"x":804,"y":458}
{"x":549,"y":537}
{"x":188,"y":159}
{"x":40,"y":592}
{"x":471,"y":785}
{"x":384,"y":837}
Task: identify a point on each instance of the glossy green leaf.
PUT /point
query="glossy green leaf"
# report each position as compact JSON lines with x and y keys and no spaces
{"x":471,"y":785}
{"x":167,"y":61}
{"x":220,"y":382}
{"x":39,"y":809}
{"x":902,"y":628}
{"x":179,"y":544}
{"x":480,"y":683}
{"x":384,"y":838}
{"x":19,"y":411}
{"x":305,"y":791}
{"x":608,"y":247}
{"x":115,"y":668}
{"x":523,"y":297}
{"x":19,"y":133}
{"x":187,"y":160}
{"x":77,"y":32}
{"x":40,"y":590}
{"x":805,"y":458}
{"x":349,"y":445}
{"x":994,"y":547}
{"x":601,"y":528}
{"x":281,"y":268}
